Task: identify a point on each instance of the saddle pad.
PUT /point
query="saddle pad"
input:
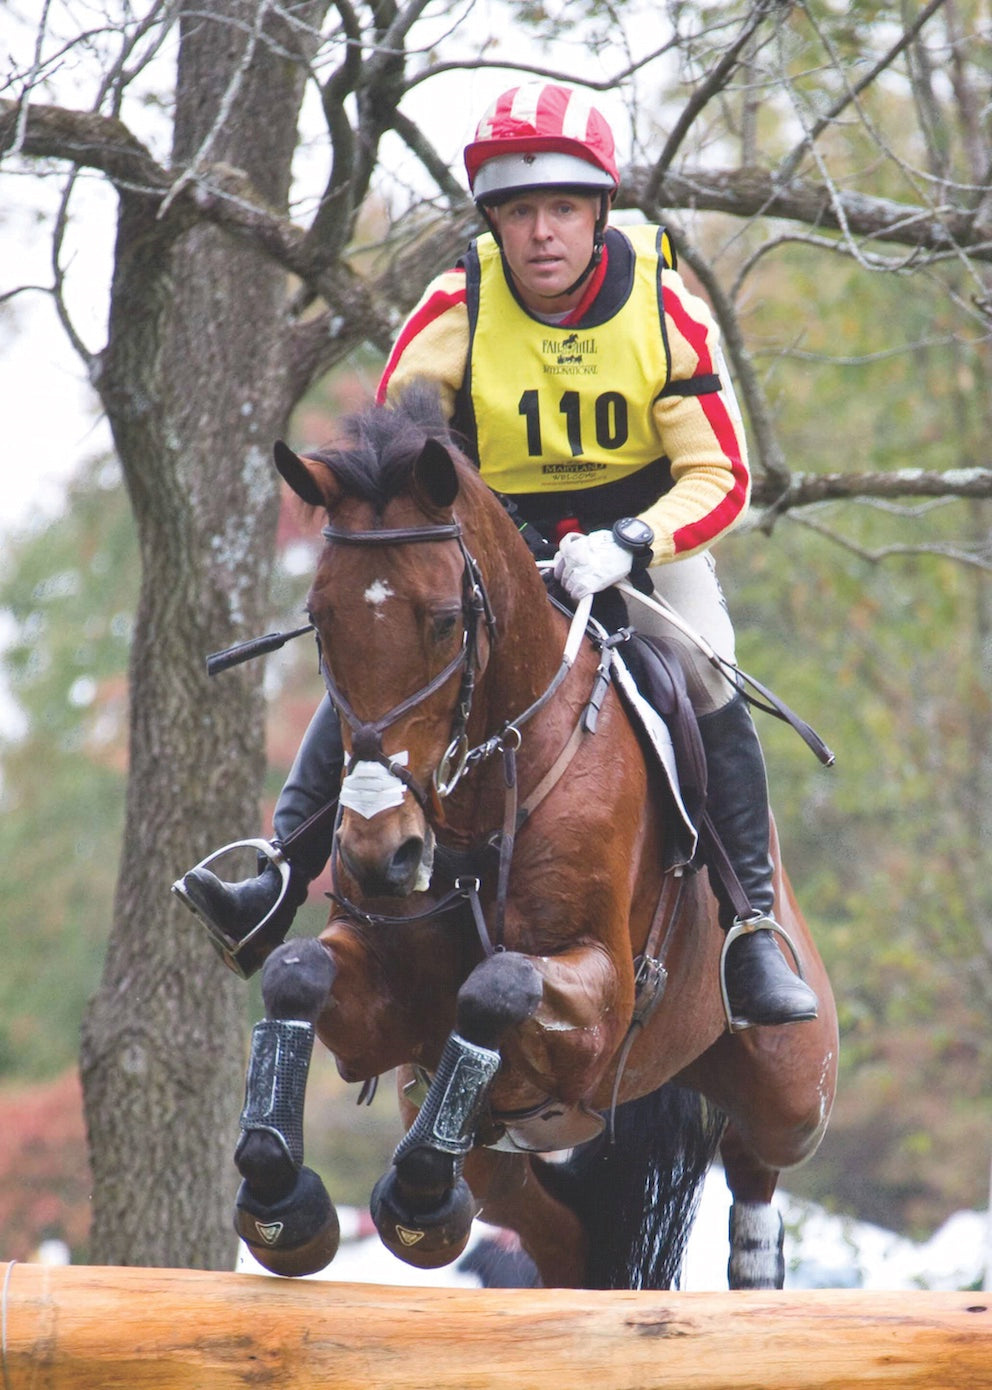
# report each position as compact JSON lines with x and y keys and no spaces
{"x":650,"y":722}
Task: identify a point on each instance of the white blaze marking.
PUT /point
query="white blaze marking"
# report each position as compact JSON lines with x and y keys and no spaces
{"x":377,"y":593}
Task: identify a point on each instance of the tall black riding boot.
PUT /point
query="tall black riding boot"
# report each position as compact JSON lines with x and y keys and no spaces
{"x":234,"y":912}
{"x":761,"y":988}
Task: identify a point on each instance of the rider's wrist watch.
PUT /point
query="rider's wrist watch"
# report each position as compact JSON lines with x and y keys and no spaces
{"x":635,"y":535}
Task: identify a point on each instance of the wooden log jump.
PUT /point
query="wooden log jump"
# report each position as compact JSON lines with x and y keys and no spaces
{"x":82,"y":1328}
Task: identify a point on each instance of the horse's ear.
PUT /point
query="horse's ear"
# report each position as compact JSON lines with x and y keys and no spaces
{"x":435,"y":474}
{"x":299,"y":474}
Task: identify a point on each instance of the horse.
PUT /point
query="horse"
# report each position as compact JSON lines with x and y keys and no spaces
{"x":508,"y":933}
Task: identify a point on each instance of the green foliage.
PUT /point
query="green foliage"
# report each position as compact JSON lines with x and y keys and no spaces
{"x":68,"y":590}
{"x":888,"y":854}
{"x":853,"y":615}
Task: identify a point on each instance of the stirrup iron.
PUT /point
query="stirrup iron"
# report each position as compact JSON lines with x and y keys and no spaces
{"x":226,"y":946}
{"x":743,"y":926}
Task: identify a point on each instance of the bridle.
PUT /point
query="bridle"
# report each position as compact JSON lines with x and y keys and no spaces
{"x":458,"y":758}
{"x":366,"y":735}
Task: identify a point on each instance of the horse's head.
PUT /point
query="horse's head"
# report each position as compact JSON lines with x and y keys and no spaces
{"x":404,"y":631}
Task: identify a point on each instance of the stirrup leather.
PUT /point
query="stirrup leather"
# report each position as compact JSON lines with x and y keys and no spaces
{"x":227,"y":948}
{"x":743,"y":926}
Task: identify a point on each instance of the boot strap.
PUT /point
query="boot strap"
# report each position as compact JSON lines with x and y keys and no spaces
{"x":716,"y":856}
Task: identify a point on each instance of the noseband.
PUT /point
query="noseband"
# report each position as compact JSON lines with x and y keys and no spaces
{"x":367,"y":735}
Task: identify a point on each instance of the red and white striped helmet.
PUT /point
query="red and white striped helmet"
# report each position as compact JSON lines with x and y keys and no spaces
{"x":540,"y":135}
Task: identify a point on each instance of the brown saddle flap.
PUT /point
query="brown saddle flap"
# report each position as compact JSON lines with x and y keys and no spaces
{"x":658,"y":675}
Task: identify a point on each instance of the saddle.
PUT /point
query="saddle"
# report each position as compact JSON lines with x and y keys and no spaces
{"x":651,"y":683}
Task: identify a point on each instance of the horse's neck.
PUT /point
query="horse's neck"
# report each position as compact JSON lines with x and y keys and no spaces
{"x":529,"y":643}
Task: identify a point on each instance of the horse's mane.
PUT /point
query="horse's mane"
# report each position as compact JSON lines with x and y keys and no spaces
{"x":373,"y":456}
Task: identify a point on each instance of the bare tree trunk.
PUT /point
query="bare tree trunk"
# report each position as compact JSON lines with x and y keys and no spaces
{"x":195,"y":388}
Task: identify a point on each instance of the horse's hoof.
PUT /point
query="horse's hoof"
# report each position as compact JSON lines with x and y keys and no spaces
{"x":426,"y":1240}
{"x":298,"y":1235}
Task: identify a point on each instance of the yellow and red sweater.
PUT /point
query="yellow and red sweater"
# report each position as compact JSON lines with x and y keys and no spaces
{"x":619,"y":410}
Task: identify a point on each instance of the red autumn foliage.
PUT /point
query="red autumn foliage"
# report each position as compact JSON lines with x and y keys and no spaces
{"x":44,"y":1169}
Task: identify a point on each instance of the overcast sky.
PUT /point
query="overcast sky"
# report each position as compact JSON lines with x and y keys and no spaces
{"x":49,"y":411}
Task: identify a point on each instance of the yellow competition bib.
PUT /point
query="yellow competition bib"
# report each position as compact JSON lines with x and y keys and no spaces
{"x":558,"y":409}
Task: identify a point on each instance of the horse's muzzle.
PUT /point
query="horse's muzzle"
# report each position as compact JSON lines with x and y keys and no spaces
{"x":382,"y":871}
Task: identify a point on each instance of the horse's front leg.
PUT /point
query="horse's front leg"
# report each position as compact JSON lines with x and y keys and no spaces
{"x":283,"y":1212}
{"x":422,"y":1207}
{"x":556,"y":1021}
{"x":565,"y":1046}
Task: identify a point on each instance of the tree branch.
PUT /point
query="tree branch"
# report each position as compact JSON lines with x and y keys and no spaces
{"x":81,"y":137}
{"x":330,"y":227}
{"x":851,"y":93}
{"x":804,"y":489}
{"x":703,"y":95}
{"x":418,"y":144}
{"x":754,"y":193}
{"x":876,"y":554}
{"x":222,"y":195}
{"x":768,"y":449}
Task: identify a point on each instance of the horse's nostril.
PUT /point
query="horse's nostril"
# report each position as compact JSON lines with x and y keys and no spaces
{"x":406,"y":861}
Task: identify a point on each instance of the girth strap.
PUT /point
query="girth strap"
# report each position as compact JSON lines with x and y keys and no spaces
{"x":650,"y":973}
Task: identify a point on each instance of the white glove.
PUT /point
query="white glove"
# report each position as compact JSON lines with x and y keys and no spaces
{"x":588,"y":564}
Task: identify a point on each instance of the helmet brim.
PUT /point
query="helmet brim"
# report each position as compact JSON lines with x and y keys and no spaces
{"x":506,"y":174}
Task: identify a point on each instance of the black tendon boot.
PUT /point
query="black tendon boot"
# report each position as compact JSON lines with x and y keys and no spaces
{"x":282,"y":1211}
{"x":761,"y":988}
{"x":246,"y":920}
{"x":422,"y":1206}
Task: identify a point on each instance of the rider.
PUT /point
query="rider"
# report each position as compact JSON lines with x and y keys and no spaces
{"x":590,"y":388}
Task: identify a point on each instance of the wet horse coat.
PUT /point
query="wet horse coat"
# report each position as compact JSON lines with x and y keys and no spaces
{"x":414,"y":539}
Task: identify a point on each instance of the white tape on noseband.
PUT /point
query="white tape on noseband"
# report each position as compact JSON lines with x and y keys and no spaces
{"x":370,"y":788}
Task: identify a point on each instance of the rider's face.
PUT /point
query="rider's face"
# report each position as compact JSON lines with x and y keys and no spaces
{"x":547,"y":240}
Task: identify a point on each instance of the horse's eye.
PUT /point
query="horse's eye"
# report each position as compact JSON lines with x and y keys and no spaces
{"x":443,"y":626}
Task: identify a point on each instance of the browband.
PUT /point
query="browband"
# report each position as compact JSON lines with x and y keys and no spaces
{"x":398,"y":535}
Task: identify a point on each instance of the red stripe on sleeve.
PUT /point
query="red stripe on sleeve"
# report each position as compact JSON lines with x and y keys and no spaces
{"x":691,"y":329}
{"x":710,"y":527}
{"x":714,"y":407}
{"x":432,"y":308}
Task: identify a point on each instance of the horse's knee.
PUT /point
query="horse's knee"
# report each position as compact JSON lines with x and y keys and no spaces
{"x":265,"y":1165}
{"x":297,"y":979}
{"x":501,"y":991}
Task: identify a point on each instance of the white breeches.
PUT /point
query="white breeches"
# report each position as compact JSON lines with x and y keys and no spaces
{"x":693,"y":590}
